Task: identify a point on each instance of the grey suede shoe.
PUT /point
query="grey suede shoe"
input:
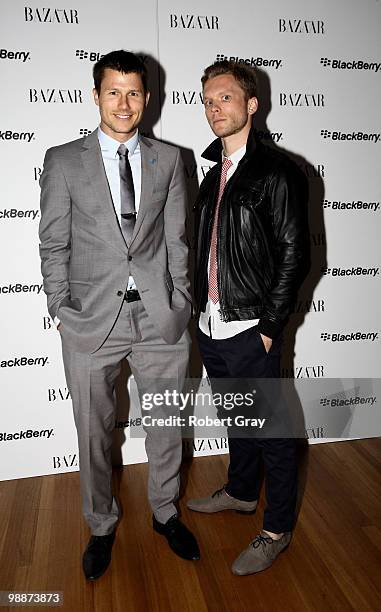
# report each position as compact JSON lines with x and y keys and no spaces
{"x":219,"y":501}
{"x":260,"y":554}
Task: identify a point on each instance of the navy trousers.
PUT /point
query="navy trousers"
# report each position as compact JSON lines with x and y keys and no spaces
{"x":244,"y":356}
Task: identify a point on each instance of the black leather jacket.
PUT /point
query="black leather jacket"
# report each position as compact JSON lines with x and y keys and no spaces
{"x":263,"y":237}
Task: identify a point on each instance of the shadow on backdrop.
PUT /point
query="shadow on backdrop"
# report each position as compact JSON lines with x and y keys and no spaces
{"x":304,"y":302}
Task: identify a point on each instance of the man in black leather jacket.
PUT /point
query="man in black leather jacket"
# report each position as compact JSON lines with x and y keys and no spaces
{"x":252,"y":256}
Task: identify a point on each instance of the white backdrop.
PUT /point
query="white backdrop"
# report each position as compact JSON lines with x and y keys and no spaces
{"x":320,"y":89}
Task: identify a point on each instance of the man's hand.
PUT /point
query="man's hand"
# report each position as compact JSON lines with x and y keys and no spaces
{"x":267,"y":342}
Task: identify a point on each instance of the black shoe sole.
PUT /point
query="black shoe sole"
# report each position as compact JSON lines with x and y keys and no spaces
{"x":96,"y":576}
{"x":160,"y":529}
{"x":93,"y":578}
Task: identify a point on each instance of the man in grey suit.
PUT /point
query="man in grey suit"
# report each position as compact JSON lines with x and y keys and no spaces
{"x":114,"y":263}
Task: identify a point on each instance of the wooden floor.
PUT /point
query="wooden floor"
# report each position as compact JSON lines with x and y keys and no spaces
{"x":333,"y":562}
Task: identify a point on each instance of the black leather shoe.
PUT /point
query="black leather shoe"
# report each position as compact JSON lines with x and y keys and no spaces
{"x":97,"y":556}
{"x":180,"y":539}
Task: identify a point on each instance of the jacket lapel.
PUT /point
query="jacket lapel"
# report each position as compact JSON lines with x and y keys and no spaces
{"x":149,"y":160}
{"x":93,"y":164}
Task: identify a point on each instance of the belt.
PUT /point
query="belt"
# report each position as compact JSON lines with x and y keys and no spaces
{"x":132,"y":295}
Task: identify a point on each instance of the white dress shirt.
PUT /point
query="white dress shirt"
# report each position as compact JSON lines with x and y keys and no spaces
{"x":210,"y":321}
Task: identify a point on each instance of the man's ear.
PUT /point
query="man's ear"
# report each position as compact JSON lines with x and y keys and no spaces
{"x":148,"y":95}
{"x":96,"y":97}
{"x":252,"y":105}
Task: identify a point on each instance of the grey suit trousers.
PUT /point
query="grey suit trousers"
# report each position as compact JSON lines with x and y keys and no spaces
{"x":91,"y":378}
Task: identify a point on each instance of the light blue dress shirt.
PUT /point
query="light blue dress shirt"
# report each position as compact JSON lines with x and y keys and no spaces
{"x":109,"y":147}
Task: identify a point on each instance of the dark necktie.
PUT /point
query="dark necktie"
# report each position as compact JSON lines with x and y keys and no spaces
{"x":127,"y":195}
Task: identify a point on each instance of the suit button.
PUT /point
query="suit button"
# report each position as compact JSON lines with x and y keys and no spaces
{"x":130,"y":258}
{"x":119,"y":293}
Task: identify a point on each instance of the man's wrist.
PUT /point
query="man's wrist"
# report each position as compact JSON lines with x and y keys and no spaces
{"x":269,"y":328}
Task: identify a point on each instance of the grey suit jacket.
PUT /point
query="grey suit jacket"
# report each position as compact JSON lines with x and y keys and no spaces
{"x":85,"y":261}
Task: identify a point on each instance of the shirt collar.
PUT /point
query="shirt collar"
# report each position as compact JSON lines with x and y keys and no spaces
{"x":236,"y":157}
{"x":111,"y":145}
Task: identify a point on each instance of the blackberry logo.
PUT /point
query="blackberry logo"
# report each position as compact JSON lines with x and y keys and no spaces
{"x":15,"y":55}
{"x":11,"y":135}
{"x":17,"y":362}
{"x":26,"y":434}
{"x":359,"y":271}
{"x":356,"y":400}
{"x":300,"y":26}
{"x":13,"y":213}
{"x":338,"y":64}
{"x":84,"y":132}
{"x":92,"y":56}
{"x":351,"y":136}
{"x":251,"y":61}
{"x":349,"y":337}
{"x":81,"y":54}
{"x":19,"y":288}
{"x":265,"y":135}
{"x":129,"y":423}
{"x":95,"y":56}
{"x":194,"y":22}
{"x":354,"y":205}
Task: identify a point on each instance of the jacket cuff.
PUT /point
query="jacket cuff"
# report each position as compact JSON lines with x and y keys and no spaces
{"x":269,"y":328}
